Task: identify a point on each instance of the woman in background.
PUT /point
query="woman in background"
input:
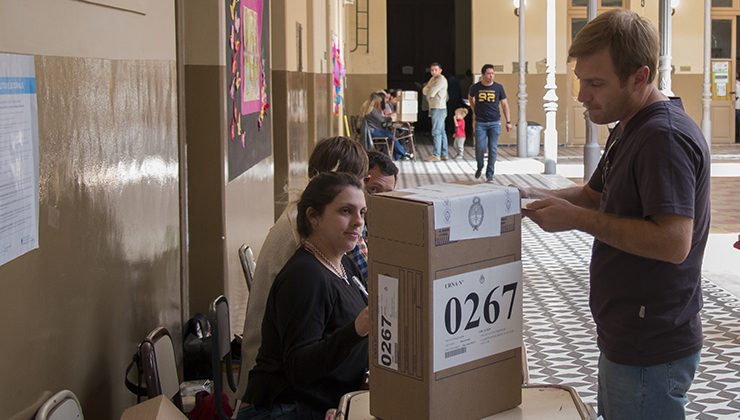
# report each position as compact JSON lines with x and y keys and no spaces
{"x":379,"y":124}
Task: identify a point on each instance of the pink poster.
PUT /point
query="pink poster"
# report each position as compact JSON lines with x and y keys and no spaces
{"x":250,"y":60}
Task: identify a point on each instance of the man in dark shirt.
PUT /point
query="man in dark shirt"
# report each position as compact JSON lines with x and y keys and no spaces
{"x":485,"y":98}
{"x":647,"y":206}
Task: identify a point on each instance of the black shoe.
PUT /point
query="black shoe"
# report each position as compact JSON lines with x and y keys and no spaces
{"x":477,"y":173}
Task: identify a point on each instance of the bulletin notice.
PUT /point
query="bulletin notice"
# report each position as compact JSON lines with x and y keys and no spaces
{"x":19,"y":157}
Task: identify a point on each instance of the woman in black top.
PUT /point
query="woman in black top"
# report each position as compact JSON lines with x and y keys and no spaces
{"x":314,"y":345}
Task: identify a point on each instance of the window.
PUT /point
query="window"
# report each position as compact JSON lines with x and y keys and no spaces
{"x":721,"y":38}
{"x":721,"y":3}
{"x":576,"y":24}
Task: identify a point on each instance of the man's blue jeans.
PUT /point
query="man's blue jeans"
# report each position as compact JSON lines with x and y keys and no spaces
{"x":438,"y":131}
{"x":486,"y":137}
{"x":645,"y":392}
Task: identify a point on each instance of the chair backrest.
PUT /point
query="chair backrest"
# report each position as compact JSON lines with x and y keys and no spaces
{"x":63,"y":405}
{"x":353,"y":127}
{"x":246,"y":256}
{"x":159,"y":366}
{"x":221,"y":350}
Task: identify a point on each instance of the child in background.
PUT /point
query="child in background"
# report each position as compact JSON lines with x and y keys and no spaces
{"x":459,"y":119}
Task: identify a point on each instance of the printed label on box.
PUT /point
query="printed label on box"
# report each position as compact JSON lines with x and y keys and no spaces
{"x":388,"y":321}
{"x":477,"y":314}
{"x":469,"y":211}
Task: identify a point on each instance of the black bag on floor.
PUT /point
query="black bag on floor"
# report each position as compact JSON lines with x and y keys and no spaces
{"x":196,"y":343}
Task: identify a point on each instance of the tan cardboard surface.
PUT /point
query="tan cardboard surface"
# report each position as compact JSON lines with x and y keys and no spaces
{"x":409,"y":255}
{"x":158,"y":408}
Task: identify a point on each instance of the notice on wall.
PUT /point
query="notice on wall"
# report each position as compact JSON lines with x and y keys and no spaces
{"x":19,"y":157}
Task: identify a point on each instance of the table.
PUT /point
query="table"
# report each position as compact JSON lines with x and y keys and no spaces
{"x":546,"y":402}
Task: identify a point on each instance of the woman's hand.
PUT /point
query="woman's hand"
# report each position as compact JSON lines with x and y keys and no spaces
{"x":362,"y":323}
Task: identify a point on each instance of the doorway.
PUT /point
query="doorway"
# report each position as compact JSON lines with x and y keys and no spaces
{"x":420,"y":32}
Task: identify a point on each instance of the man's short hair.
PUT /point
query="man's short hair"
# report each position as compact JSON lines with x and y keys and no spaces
{"x":338,"y":154}
{"x":435,"y":64}
{"x":631,"y":39}
{"x":486,"y":67}
{"x":383,"y":162}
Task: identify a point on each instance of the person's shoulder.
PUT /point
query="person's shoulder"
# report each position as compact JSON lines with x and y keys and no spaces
{"x":300,"y":267}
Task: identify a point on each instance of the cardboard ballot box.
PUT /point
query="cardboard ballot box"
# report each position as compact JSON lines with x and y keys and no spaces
{"x":445,"y":302}
{"x":408,"y":106}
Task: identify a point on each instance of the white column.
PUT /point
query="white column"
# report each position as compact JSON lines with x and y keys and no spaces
{"x":592,"y":150}
{"x":551,"y":97}
{"x":666,"y":33}
{"x":706,"y":96}
{"x":521,"y":130}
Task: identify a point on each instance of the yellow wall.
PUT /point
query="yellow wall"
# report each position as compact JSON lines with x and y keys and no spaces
{"x":498,"y":43}
{"x":688,"y":38}
{"x":374,"y":61}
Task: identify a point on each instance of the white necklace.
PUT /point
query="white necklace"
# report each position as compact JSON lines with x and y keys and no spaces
{"x":340,"y":272}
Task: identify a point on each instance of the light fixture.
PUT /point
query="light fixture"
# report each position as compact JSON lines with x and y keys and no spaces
{"x":516,"y":7}
{"x":674,"y":5}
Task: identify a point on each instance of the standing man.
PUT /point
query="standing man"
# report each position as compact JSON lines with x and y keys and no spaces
{"x":435,"y":91}
{"x":647,"y":206}
{"x":485,"y":98}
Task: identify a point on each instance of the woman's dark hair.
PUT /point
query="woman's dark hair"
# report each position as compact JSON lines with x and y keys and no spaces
{"x":322,"y":190}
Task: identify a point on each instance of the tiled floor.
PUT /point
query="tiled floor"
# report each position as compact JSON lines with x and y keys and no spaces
{"x":559,"y":331}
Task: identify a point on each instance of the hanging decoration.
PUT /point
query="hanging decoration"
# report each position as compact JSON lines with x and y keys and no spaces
{"x":338,"y":75}
{"x":248,"y":83}
{"x":247,"y":87}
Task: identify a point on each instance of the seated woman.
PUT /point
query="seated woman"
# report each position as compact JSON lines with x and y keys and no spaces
{"x":314,"y":345}
{"x":378,"y":123}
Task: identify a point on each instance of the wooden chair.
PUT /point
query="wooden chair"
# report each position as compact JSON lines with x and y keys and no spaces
{"x":159,"y":366}
{"x":377,"y":143}
{"x":246,"y":257}
{"x":63,"y":405}
{"x":404,"y":132}
{"x":221,"y":350}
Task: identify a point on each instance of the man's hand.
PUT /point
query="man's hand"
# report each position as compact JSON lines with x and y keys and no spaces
{"x":508,"y":127}
{"x":553,"y":214}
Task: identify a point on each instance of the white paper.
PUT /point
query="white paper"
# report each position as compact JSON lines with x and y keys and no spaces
{"x":469,"y":211}
{"x":19,"y":157}
{"x":388,"y":322}
{"x":467,"y":325}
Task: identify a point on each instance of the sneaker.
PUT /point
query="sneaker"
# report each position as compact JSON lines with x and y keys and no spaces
{"x":433,"y":158}
{"x":410,"y":156}
{"x":477,"y":173}
{"x":406,"y":158}
{"x":489,"y":179}
{"x":444,"y":158}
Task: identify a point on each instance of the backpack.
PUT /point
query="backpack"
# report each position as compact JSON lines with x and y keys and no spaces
{"x":196,"y":346}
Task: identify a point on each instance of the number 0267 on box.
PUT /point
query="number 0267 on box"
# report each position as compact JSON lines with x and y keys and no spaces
{"x":477,"y":314}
